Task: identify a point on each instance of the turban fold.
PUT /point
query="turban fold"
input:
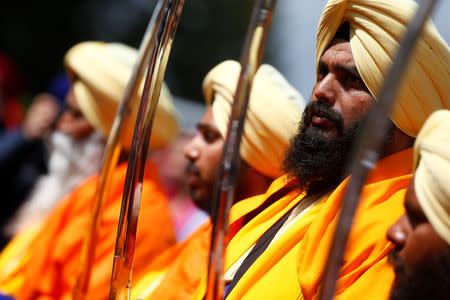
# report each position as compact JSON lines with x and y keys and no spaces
{"x":376,"y":28}
{"x":432,"y":176}
{"x":273,"y":114}
{"x":99,"y":73}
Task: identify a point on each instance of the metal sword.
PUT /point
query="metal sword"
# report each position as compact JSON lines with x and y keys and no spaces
{"x":126,"y":232}
{"x":251,"y":57}
{"x":112,"y":152}
{"x":367,"y":147}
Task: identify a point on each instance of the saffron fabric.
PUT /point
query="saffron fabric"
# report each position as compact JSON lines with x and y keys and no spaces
{"x":291,"y":268}
{"x":52,"y":261}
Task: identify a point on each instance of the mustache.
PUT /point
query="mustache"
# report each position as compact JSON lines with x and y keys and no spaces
{"x":395,"y":260}
{"x":392,"y":256}
{"x":323,"y":109}
{"x":191,"y":169}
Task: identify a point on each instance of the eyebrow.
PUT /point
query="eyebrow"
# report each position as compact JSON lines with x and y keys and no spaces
{"x":340,"y":67}
{"x":204,"y":126}
{"x":412,"y":211}
{"x":351,"y":70}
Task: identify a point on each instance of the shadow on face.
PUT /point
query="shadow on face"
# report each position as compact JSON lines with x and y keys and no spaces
{"x":421,"y":258}
{"x":204,"y":152}
{"x":72,"y":122}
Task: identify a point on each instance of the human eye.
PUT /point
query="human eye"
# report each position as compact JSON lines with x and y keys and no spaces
{"x":210,"y":136}
{"x":415,"y":218}
{"x":353,"y":80}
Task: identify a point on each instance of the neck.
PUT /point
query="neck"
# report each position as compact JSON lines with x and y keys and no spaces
{"x":250,"y":183}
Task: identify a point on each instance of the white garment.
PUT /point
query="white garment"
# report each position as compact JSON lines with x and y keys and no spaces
{"x":71,"y":161}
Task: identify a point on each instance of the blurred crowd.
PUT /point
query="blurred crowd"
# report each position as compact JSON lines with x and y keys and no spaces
{"x":47,"y":148}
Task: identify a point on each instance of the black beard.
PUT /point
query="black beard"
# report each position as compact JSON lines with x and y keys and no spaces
{"x":431,"y":280}
{"x":316,"y":161}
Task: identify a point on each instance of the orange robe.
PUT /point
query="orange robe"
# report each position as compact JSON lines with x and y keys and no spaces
{"x":13,"y":261}
{"x":177,"y":273}
{"x":291,"y":268}
{"x":55,"y":253}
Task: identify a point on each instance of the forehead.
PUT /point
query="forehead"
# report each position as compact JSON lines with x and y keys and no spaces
{"x":208,"y":118}
{"x":338,"y":52}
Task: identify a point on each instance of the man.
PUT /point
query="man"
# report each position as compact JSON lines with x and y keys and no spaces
{"x":271,"y":120}
{"x":49,"y":267}
{"x":76,"y":153}
{"x":422,"y":235}
{"x":171,"y":163}
{"x":282,"y":251}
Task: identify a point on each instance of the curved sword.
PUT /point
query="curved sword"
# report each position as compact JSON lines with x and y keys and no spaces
{"x":251,"y":57}
{"x":112,"y":152}
{"x":126,"y":232}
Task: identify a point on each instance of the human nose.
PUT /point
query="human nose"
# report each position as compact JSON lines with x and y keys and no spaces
{"x":398,"y":231}
{"x":63,"y":123}
{"x":191,"y":150}
{"x":325,"y":89}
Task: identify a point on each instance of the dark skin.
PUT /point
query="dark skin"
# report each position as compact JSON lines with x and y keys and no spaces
{"x":414,"y":238}
{"x":340,"y":85}
{"x":204,"y":152}
{"x":421,"y":258}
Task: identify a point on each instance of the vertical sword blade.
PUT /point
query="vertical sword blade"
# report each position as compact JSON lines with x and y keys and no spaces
{"x":126,"y":232}
{"x":251,"y":57}
{"x":111,"y":156}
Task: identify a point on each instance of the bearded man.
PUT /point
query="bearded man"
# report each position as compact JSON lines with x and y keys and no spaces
{"x":282,"y":251}
{"x":76,"y":153}
{"x":421,"y":236}
{"x":271,"y":120}
{"x":47,"y":269}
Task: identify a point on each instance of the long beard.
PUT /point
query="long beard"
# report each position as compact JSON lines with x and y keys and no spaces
{"x":431,"y":279}
{"x":316,"y":161}
{"x":70,"y":162}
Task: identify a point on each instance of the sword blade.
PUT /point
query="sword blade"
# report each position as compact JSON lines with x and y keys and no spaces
{"x":126,"y":232}
{"x":111,"y":156}
{"x":251,"y":57}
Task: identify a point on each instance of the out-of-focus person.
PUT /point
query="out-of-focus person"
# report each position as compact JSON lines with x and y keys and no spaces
{"x":172,"y":164}
{"x":76,"y":150}
{"x":271,"y":120}
{"x":47,"y":269}
{"x":421,"y":236}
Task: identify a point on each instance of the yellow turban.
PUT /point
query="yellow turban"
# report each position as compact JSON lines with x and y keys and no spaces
{"x":432,"y":176}
{"x":273,"y":114}
{"x":376,"y":28}
{"x":100,"y":72}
